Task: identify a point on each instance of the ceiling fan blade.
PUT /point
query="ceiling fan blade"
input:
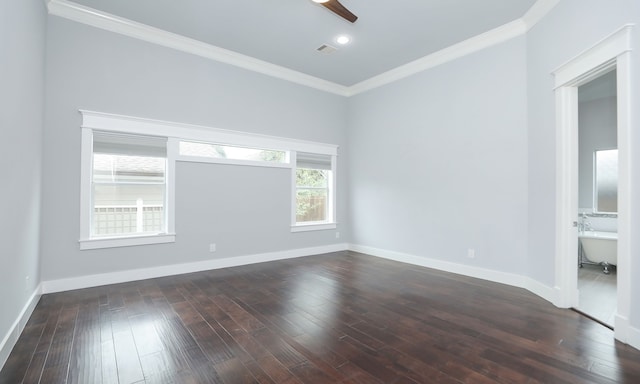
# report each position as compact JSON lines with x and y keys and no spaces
{"x":336,"y":7}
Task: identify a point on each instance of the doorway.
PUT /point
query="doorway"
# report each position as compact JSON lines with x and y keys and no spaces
{"x":613,"y":52}
{"x":598,"y":198}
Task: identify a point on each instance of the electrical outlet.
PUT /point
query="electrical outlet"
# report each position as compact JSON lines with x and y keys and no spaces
{"x":471,"y":253}
{"x":212,"y":247}
{"x":337,"y":235}
{"x":26,"y":283}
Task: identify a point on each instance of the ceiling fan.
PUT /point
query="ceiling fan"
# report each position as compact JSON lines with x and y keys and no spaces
{"x":337,"y":8}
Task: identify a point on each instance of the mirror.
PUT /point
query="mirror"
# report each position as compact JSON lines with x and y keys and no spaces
{"x":606,"y":181}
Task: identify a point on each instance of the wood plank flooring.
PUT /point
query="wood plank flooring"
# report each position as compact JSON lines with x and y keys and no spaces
{"x":336,"y":318}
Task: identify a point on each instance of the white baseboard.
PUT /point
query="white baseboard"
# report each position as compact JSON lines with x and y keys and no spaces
{"x":177,"y":269}
{"x":621,"y":328}
{"x":10,"y":339}
{"x":634,"y":337}
{"x":546,"y":292}
{"x":625,"y":332}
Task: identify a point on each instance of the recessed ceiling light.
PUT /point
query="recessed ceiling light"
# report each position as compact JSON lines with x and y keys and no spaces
{"x":320,"y":1}
{"x":343,"y":39}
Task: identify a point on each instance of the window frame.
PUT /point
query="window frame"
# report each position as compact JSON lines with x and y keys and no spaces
{"x":231,"y":161}
{"x":597,"y":178}
{"x":122,"y":183}
{"x":176,"y":132}
{"x":330,"y":222}
{"x":87,"y":207}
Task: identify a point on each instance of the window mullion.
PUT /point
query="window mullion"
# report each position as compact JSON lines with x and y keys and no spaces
{"x":294,"y":190}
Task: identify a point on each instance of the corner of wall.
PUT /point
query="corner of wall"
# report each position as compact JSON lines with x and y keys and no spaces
{"x":634,"y":337}
{"x":12,"y":336}
{"x":533,"y":286}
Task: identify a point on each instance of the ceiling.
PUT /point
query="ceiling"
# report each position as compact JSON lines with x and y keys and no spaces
{"x":386,"y":35}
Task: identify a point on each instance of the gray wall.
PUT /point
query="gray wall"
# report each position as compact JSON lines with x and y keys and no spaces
{"x":460,"y":156}
{"x":97,"y":70}
{"x":22,"y":42}
{"x":439,"y":162}
{"x":570,"y":28}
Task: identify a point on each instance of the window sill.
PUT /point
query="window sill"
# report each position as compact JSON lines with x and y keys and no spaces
{"x":112,"y":242}
{"x":313,"y":227}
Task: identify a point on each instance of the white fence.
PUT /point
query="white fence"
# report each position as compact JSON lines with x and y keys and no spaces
{"x":116,"y":219}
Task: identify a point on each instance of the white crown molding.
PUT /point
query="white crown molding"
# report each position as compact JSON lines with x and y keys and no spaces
{"x":537,"y":11}
{"x":103,"y":20}
{"x":493,"y":37}
{"x":89,"y":16}
{"x":466,"y":47}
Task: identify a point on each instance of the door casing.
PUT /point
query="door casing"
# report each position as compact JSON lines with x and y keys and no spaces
{"x":614,"y":51}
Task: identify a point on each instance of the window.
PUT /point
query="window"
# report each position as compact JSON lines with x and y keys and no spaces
{"x":128,"y":190}
{"x":314,"y":201}
{"x":220,"y":151}
{"x":128,"y":185}
{"x":128,"y":175}
{"x":313,"y":176}
{"x":606,"y":181}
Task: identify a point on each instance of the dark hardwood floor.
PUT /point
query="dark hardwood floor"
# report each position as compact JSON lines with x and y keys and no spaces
{"x":337,"y":318}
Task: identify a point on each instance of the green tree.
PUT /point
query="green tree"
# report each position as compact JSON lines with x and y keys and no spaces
{"x":311,"y":194}
{"x":274,"y":156}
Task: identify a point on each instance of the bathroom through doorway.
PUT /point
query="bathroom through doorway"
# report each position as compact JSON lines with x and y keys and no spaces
{"x":598,"y":198}
{"x":613,"y":52}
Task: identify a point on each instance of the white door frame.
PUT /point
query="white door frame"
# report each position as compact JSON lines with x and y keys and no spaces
{"x":611,"y":52}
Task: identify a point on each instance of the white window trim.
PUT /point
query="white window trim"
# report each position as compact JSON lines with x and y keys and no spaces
{"x":86,"y":165}
{"x":176,"y":132}
{"x":321,"y":226}
{"x":86,"y":204}
{"x":128,"y":241}
{"x":216,"y":160}
{"x":331,"y":222}
{"x":189,"y":132}
{"x":170,"y":177}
